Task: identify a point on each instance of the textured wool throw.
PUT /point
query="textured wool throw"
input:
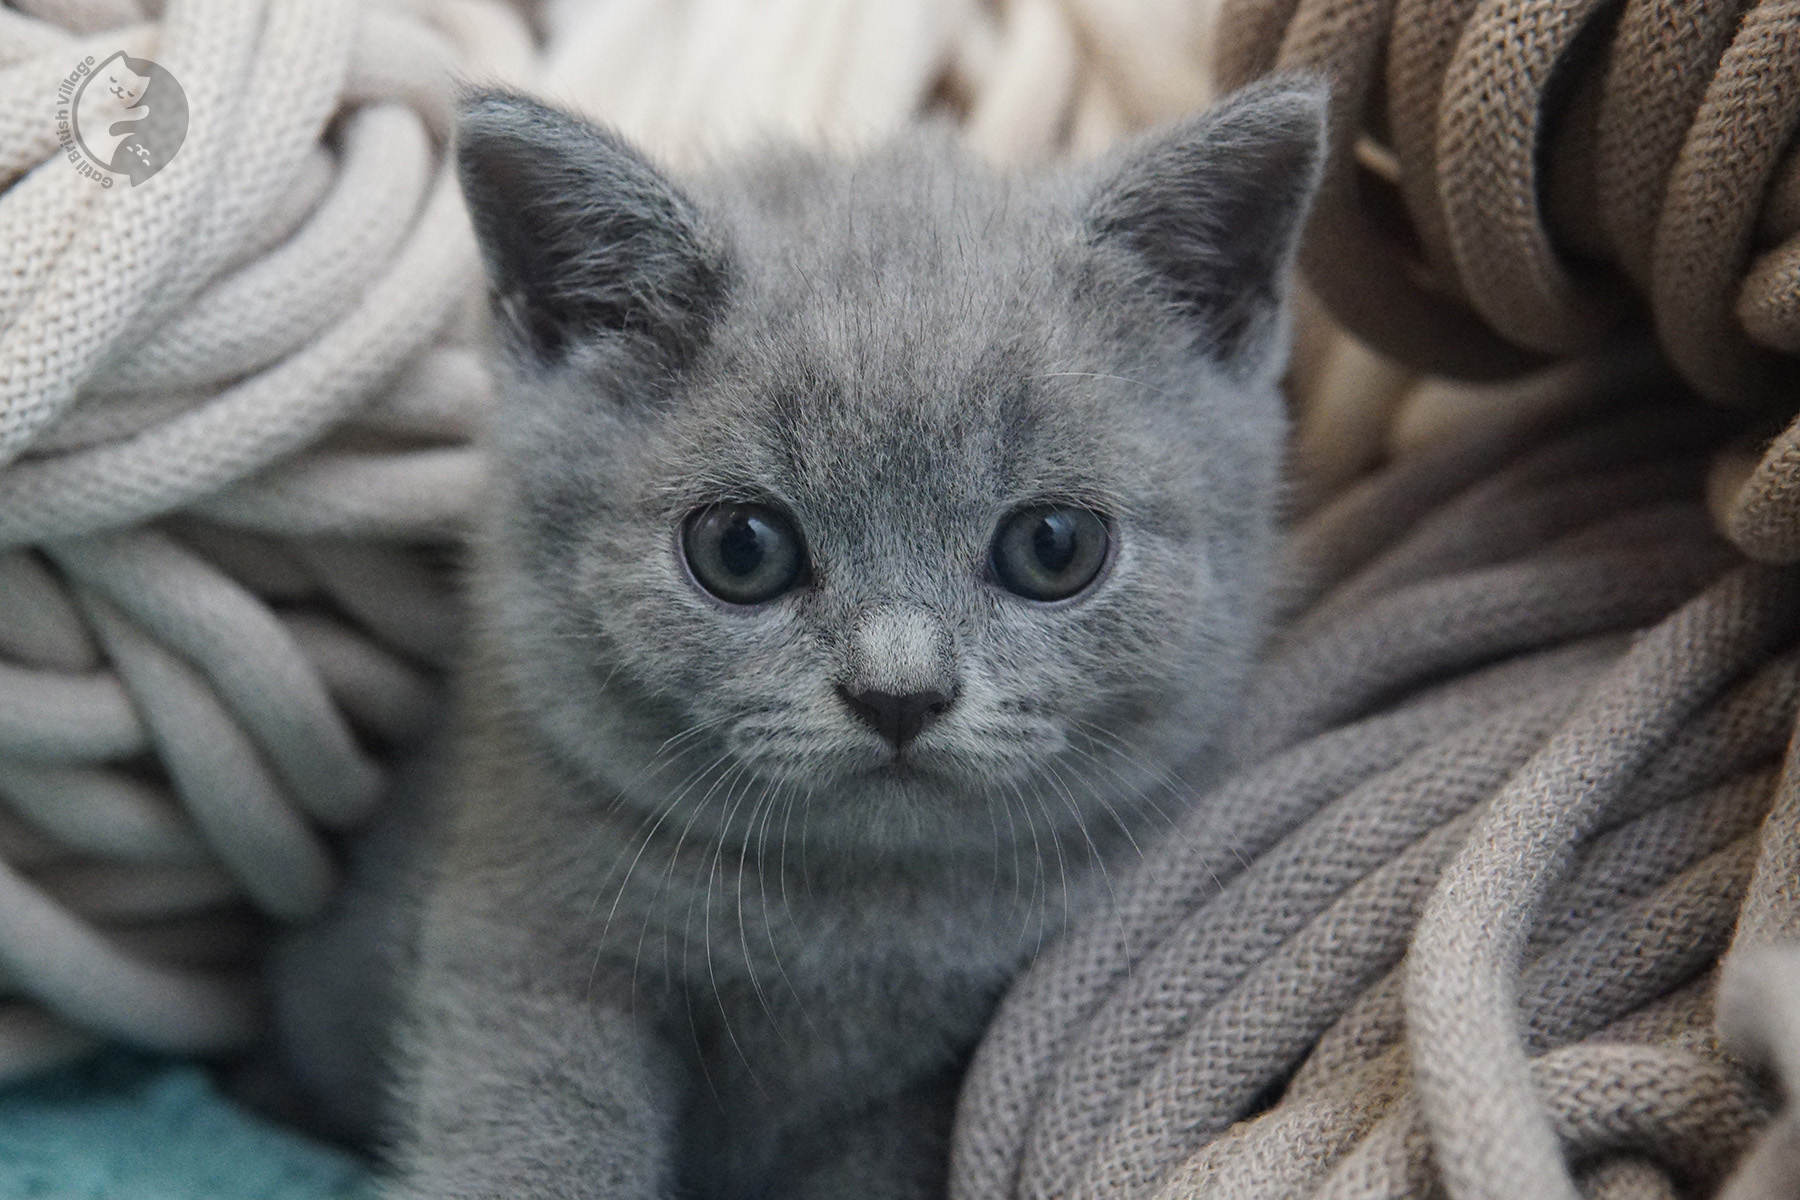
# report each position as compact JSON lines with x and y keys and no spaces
{"x":1516,"y":776}
{"x":1518,"y":179}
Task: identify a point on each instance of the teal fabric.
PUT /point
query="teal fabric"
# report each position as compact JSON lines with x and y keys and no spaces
{"x":127,"y":1127}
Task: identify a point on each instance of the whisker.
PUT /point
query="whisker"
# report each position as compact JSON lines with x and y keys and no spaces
{"x":1164,"y":776}
{"x":1075,"y":813}
{"x":662,"y":815}
{"x":1062,"y":865}
{"x":1099,"y":794}
{"x":1099,"y":859}
{"x":762,"y":801}
{"x":762,"y":889}
{"x":1039,"y":883}
{"x":733,"y":802}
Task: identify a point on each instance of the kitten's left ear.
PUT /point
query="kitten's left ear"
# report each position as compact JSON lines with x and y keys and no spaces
{"x":1213,"y":208}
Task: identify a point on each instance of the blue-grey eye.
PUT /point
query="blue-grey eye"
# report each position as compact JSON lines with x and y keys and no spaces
{"x":743,"y":553}
{"x":1049,"y":552}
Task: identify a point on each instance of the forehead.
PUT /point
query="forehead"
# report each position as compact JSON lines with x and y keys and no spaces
{"x":907,"y":329}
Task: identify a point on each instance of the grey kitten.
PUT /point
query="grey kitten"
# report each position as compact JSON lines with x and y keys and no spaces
{"x":870,"y":540}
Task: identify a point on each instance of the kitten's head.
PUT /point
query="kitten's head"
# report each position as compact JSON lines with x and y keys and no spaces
{"x":937,"y":500}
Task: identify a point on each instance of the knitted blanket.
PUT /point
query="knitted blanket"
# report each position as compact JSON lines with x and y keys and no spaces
{"x":1516,"y":785}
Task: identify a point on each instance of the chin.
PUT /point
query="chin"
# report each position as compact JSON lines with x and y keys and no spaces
{"x":938,"y":773}
{"x":917,"y":781}
{"x":897,"y":807}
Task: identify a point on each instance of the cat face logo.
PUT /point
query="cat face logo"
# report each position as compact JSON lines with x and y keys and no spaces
{"x":124,"y":116}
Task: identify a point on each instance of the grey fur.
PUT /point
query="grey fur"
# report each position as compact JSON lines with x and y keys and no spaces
{"x":693,"y":931}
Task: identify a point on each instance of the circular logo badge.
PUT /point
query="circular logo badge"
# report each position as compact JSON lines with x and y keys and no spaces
{"x":121,"y":116}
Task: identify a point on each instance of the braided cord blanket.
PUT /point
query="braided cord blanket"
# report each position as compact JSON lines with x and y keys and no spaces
{"x":1518,"y":179}
{"x":1511,"y":181}
{"x":1517,"y":784}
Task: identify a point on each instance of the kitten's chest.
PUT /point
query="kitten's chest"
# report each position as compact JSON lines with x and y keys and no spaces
{"x":858,"y":968}
{"x":832,"y":1009}
{"x":790,"y":939}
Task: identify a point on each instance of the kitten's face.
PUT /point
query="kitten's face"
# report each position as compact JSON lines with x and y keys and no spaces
{"x":932,"y":512}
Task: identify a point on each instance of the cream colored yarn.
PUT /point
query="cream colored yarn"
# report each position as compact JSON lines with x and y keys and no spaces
{"x":232,"y":401}
{"x":1027,"y":80}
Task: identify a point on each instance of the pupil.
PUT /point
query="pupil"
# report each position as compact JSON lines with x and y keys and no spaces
{"x":740,"y":546}
{"x":1053,"y":542}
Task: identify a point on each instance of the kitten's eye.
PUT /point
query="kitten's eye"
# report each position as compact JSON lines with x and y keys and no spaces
{"x":743,"y":553}
{"x":1049,"y":552}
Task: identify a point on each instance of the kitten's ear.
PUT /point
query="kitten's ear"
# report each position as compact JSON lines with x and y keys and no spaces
{"x":1213,"y":208}
{"x":583,"y":238}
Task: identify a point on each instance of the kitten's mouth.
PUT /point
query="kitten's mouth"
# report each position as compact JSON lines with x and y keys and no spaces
{"x":904,"y":768}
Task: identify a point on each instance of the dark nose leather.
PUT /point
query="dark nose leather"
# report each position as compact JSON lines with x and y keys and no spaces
{"x":898,"y":719}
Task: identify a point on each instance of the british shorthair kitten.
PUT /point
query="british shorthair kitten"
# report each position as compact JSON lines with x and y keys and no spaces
{"x":870,"y":541}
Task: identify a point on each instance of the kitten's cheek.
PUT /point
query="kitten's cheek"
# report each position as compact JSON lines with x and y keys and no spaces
{"x":758,"y":742}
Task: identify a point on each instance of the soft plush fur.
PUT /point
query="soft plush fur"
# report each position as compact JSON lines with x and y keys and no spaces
{"x":696,"y":928}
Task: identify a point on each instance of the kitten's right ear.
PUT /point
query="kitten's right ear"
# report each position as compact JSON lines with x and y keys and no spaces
{"x":582,"y":237}
{"x":1213,"y":207}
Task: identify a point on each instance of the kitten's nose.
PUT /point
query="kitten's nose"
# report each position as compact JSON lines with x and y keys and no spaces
{"x":897,"y":718}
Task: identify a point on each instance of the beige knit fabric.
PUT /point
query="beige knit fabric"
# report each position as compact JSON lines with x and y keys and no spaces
{"x":1454,"y":925}
{"x":1454,"y":928}
{"x":1027,"y":81}
{"x":1520,"y":178}
{"x":234,"y":403}
{"x":1538,"y":156}
{"x":1760,"y":1019}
